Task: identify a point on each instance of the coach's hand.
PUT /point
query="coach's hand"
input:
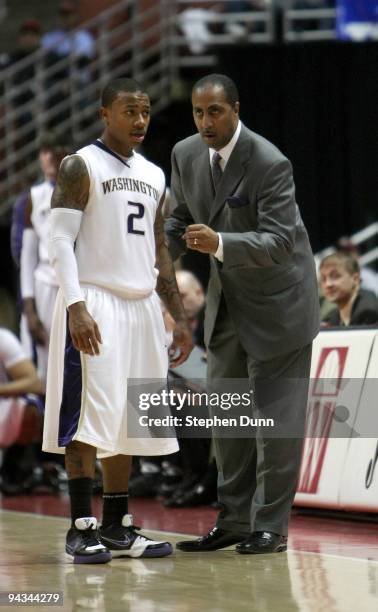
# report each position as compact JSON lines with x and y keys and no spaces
{"x":83,"y":328}
{"x":182,"y":344}
{"x":202,"y":238}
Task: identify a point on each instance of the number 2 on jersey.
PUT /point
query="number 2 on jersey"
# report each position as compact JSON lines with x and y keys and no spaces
{"x":135,"y":215}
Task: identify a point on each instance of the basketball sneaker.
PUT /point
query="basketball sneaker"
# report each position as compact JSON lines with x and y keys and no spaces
{"x":125,"y":541}
{"x":83,"y":542}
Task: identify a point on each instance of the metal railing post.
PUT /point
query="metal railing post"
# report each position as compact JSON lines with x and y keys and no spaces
{"x":8,"y":150}
{"x":103,"y":51}
{"x":170,"y":11}
{"x":135,"y":41}
{"x":40,"y":95}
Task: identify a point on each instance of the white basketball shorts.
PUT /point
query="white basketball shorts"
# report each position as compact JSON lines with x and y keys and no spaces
{"x":86,"y":396}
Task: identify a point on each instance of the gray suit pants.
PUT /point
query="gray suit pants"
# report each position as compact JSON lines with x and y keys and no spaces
{"x":257,"y":475}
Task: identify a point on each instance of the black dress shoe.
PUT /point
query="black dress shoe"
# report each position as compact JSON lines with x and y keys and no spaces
{"x":215,"y":539}
{"x":260,"y":542}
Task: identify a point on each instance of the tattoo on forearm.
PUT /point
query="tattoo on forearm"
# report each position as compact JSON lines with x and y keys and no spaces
{"x":166,"y":286}
{"x":72,"y":187}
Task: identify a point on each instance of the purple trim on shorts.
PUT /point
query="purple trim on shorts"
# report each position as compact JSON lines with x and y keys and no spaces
{"x":70,"y":406}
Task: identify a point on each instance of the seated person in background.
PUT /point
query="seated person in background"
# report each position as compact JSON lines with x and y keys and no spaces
{"x":18,"y":375}
{"x":68,"y":37}
{"x":70,"y":40}
{"x":369,"y":278}
{"x":193,"y":299}
{"x":20,"y":414}
{"x":340,"y":281}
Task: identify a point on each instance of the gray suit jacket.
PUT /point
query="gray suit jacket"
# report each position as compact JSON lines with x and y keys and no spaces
{"x":268,"y":275}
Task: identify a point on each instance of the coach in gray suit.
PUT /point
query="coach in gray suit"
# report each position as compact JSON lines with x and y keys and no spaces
{"x":234,"y":199}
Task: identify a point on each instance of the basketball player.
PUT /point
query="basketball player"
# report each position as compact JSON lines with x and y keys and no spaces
{"x":38,"y":280}
{"x":107,"y":235}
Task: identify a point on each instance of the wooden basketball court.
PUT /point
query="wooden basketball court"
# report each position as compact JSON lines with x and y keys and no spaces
{"x":331,"y":565}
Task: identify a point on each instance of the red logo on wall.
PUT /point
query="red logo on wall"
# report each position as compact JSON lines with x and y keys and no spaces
{"x":322,"y":402}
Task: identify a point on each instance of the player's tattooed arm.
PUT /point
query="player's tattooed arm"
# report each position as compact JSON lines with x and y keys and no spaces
{"x":168,"y":292}
{"x":72,"y":186}
{"x":72,"y":192}
{"x":166,"y":282}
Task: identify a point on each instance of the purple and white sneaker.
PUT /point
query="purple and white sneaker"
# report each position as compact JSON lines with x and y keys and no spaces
{"x":125,"y":541}
{"x":83,"y":542}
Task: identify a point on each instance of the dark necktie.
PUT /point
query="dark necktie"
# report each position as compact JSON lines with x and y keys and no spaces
{"x":216,"y":170}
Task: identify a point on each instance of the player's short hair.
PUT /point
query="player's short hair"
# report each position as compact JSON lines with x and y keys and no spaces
{"x":349,"y":262}
{"x":220,"y":80}
{"x":116,"y":86}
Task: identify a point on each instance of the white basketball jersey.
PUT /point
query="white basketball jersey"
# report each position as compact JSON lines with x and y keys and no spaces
{"x":115,"y":247}
{"x":40,"y":218}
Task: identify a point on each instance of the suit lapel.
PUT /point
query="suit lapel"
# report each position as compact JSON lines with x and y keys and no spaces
{"x":233,"y":173}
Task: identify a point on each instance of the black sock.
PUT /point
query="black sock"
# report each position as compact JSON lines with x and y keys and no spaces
{"x":115,"y":506}
{"x":80,"y":490}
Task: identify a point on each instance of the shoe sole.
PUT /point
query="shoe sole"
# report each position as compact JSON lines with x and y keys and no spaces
{"x":147,"y":554}
{"x":103,"y":557}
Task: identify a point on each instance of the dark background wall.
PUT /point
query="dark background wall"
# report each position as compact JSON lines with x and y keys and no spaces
{"x":318,"y":103}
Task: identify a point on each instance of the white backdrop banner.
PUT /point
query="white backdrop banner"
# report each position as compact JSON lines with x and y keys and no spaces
{"x":341,"y":362}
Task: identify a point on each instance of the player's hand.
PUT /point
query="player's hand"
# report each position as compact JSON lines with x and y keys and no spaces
{"x":84,"y":330}
{"x":182,"y":344}
{"x":202,"y":238}
{"x":36,"y":329}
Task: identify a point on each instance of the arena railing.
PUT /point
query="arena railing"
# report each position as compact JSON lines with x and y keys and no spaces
{"x":363,"y":238}
{"x":152,"y":44}
{"x":129,"y":42}
{"x":307,"y":24}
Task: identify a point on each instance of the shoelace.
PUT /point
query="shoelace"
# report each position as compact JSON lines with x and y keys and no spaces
{"x":133,"y":529}
{"x":90,"y":537}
